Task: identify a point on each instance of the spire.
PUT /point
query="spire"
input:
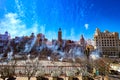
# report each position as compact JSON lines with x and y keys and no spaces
{"x":82,"y":38}
{"x":82,"y":41}
{"x":97,"y":31}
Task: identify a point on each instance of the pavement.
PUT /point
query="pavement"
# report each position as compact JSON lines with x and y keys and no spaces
{"x":50,"y":78}
{"x":111,"y":77}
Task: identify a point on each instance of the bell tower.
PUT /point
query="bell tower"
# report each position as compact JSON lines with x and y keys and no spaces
{"x":59,"y":35}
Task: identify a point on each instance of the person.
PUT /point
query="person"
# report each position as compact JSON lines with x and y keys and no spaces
{"x":102,"y":77}
{"x":20,"y":73}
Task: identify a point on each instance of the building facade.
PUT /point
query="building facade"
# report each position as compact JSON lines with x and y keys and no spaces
{"x":108,"y":43}
{"x":4,"y":40}
{"x":119,"y":48}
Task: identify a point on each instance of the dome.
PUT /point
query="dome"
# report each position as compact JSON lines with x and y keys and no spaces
{"x":59,"y":29}
{"x":6,"y":33}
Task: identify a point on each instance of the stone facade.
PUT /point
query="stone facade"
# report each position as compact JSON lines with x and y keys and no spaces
{"x":108,"y":43}
{"x":119,"y":48}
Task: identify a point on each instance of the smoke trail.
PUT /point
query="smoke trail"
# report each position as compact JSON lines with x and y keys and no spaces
{"x":10,"y":55}
{"x":20,"y":8}
{"x":95,"y":55}
{"x":28,"y":47}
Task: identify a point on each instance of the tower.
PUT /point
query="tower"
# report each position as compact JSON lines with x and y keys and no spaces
{"x":82,"y":44}
{"x":82,"y":41}
{"x":97,"y":31}
{"x":59,"y":35}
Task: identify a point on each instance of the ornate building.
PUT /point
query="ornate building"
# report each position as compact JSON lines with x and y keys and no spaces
{"x":82,"y":43}
{"x":107,"y":42}
{"x":41,"y":39}
{"x":4,"y":40}
{"x":119,"y":48}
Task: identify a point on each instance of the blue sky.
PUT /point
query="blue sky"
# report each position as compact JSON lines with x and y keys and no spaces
{"x":75,"y":17}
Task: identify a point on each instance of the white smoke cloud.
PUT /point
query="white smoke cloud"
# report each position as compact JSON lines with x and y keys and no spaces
{"x":20,"y":8}
{"x":42,"y":29}
{"x":72,"y":33}
{"x":12,"y":24}
{"x":51,"y":35}
{"x":71,"y":36}
{"x":64,"y":32}
{"x":15,"y":26}
{"x":86,"y":26}
{"x":34,"y":28}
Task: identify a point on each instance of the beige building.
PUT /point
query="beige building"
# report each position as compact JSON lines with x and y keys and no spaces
{"x":108,"y":43}
{"x":119,"y":48}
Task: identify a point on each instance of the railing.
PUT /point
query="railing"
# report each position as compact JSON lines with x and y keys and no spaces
{"x":46,"y":69}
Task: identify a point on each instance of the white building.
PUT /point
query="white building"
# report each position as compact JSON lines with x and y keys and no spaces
{"x":4,"y":39}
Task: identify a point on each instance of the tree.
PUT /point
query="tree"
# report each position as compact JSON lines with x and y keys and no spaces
{"x":7,"y":69}
{"x":31,"y":67}
{"x":4,"y":72}
{"x":103,"y":66}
